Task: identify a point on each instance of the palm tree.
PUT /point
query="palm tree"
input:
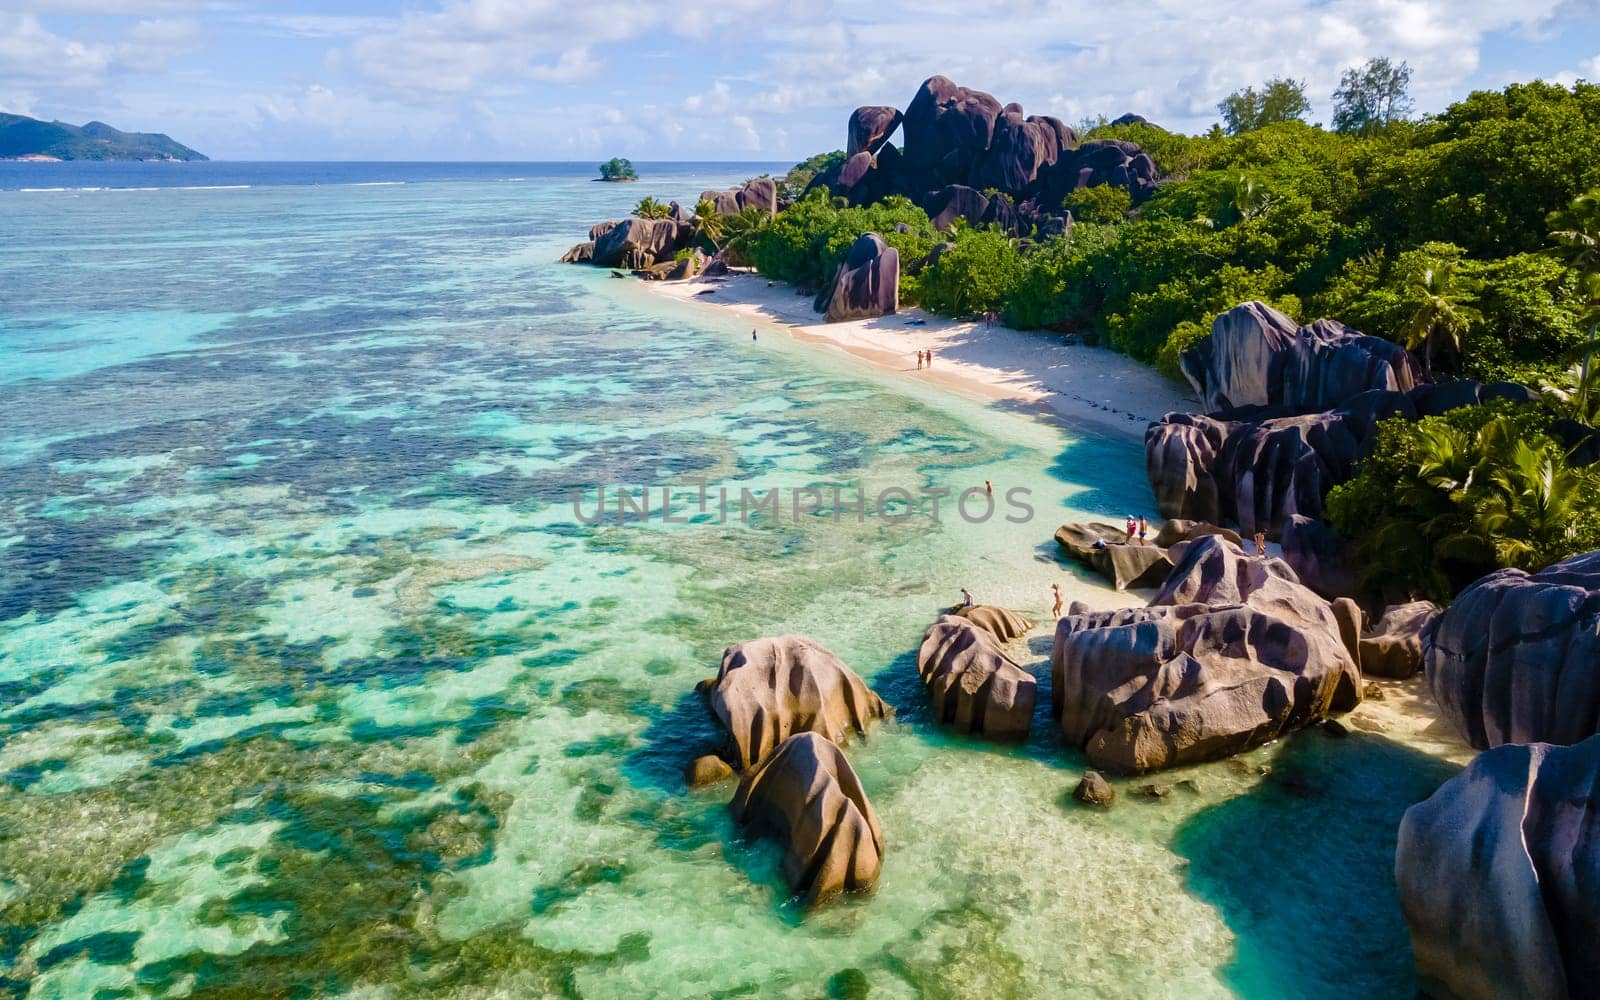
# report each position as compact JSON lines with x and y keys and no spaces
{"x":1243,"y":199}
{"x":708,"y":225}
{"x":741,"y":229}
{"x":1444,"y":310}
{"x":650,"y":208}
{"x":1575,"y":393}
{"x":1576,"y":233}
{"x":1530,"y":510}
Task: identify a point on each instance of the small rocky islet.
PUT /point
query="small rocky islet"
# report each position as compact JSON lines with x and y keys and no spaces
{"x":1498,"y":871}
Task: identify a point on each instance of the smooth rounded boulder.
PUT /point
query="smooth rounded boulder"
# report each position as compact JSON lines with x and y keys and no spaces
{"x":1392,"y":647}
{"x":1002,"y":623}
{"x":1516,"y":657}
{"x":866,"y":284}
{"x":639,"y":242}
{"x":1105,"y":548}
{"x":1499,"y":876}
{"x":972,"y":685}
{"x":806,"y":795}
{"x":1184,"y":680}
{"x":1257,"y":356}
{"x":869,"y":128}
{"x":768,"y":689}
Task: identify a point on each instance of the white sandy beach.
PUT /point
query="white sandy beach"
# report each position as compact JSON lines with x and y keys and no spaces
{"x":1089,"y":386}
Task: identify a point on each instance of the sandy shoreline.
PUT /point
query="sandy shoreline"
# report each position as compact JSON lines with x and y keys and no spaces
{"x":1087,"y":387}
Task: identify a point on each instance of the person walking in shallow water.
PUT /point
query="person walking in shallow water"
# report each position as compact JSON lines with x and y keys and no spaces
{"x":752,"y":335}
{"x":988,"y":488}
{"x":1055,"y":595}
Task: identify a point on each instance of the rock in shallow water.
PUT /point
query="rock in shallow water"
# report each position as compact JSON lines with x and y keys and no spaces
{"x":1499,"y":876}
{"x":808,"y":797}
{"x":1094,"y":790}
{"x":1516,"y":657}
{"x":972,"y":684}
{"x":771,"y":688}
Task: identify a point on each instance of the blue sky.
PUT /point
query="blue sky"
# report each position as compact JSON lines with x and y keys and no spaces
{"x":723,"y":80}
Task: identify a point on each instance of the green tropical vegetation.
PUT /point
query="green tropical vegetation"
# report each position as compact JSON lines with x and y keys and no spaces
{"x":1471,"y":236}
{"x":618,"y":169}
{"x":1433,"y":231}
{"x":1278,"y":100}
{"x":651,"y":208}
{"x":1441,"y":501}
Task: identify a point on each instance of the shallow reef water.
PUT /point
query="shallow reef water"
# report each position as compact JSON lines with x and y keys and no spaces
{"x":313,"y":682}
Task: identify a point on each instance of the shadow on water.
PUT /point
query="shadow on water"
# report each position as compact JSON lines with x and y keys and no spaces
{"x":1302,"y":868}
{"x":673,"y":739}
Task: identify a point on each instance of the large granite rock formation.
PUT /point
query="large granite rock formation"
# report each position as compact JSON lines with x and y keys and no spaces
{"x":1257,"y":356}
{"x":1319,"y":556}
{"x":972,"y":684}
{"x":947,"y":128}
{"x":1002,"y":623}
{"x":1499,"y":876}
{"x":1257,"y":467}
{"x":1100,"y":161}
{"x":582,"y":253}
{"x":1232,"y":652}
{"x":1516,"y":657}
{"x":1105,"y":549}
{"x":639,"y":242}
{"x":870,"y":127}
{"x":806,"y":795}
{"x":760,"y":192}
{"x":954,"y":136}
{"x":1019,"y":149}
{"x":866,"y":284}
{"x":1392,"y":646}
{"x":956,"y":201}
{"x":770,"y":688}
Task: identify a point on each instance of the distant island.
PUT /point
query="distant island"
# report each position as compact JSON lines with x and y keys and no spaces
{"x":24,"y":138}
{"x":617,"y":169}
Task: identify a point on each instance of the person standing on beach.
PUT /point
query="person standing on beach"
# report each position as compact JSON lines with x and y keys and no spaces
{"x":1144,"y":528}
{"x":988,"y":488}
{"x":1055,"y":595}
{"x":752,"y":335}
{"x":1261,"y":543}
{"x":1131,"y":527}
{"x":930,"y":357}
{"x":919,"y":361}
{"x":966,"y":598}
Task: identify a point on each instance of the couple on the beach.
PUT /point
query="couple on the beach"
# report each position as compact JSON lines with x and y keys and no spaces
{"x":1141,"y":527}
{"x":924,"y":357}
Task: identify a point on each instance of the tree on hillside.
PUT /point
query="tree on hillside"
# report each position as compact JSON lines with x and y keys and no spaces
{"x":1443,"y":312}
{"x":1371,"y":96}
{"x":1278,"y":100}
{"x":1576,"y":234}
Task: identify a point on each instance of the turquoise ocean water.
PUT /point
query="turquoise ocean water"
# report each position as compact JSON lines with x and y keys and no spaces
{"x":312,"y":684}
